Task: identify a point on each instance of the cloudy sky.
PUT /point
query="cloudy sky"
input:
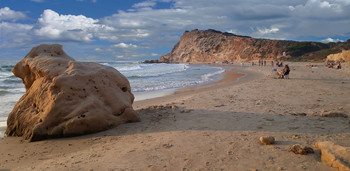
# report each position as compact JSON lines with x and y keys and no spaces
{"x":147,"y":29}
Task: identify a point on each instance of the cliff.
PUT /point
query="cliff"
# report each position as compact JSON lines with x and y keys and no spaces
{"x":209,"y":46}
{"x":344,"y":56}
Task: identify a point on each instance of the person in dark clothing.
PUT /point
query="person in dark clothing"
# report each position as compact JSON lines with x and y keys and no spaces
{"x":284,"y":73}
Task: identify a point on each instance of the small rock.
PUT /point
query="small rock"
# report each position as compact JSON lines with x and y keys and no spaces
{"x":267,"y":140}
{"x":280,"y":168}
{"x":299,"y":149}
{"x":167,"y":145}
{"x":296,"y":137}
{"x":299,"y":114}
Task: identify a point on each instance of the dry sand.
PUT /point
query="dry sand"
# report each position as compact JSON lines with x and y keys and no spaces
{"x":210,"y":127}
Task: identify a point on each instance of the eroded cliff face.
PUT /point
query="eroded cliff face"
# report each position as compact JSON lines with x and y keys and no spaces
{"x":344,"y":56}
{"x":209,"y":46}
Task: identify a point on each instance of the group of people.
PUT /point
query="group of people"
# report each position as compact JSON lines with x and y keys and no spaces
{"x":331,"y":64}
{"x":284,"y":73}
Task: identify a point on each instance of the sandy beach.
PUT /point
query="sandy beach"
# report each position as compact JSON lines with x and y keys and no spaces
{"x":215,"y":126}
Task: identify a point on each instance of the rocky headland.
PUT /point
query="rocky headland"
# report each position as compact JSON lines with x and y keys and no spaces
{"x":198,"y":46}
{"x":209,"y":46}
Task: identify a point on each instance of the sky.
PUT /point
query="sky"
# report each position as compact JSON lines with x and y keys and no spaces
{"x":147,"y":29}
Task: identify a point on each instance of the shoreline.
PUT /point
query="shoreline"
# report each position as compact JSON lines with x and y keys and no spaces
{"x":230,"y":76}
{"x":213,"y":128}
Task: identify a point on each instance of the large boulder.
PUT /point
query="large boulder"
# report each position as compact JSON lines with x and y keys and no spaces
{"x":65,"y":97}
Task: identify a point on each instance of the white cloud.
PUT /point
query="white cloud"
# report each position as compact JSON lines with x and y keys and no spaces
{"x":7,"y":14}
{"x":124,"y":45}
{"x":146,"y":26}
{"x":328,"y":40}
{"x":53,"y":26}
{"x":320,"y":9}
{"x":145,"y":4}
{"x":155,"y":54}
{"x":264,"y":31}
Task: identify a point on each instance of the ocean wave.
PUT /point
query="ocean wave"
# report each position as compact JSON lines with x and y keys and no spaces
{"x":167,"y":86}
{"x":6,"y":68}
{"x":12,"y":81}
{"x":129,"y":68}
{"x":208,"y":76}
{"x":3,"y":92}
{"x":156,"y":70}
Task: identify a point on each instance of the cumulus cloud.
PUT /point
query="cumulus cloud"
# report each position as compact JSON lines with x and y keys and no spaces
{"x":146,"y":24}
{"x":329,"y":40}
{"x":7,"y":14}
{"x":53,"y":26}
{"x":320,"y":9}
{"x":124,"y":45}
{"x":145,"y":4}
{"x":264,"y":31}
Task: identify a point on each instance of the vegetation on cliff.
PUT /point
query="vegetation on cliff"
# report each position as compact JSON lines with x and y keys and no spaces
{"x":315,"y":51}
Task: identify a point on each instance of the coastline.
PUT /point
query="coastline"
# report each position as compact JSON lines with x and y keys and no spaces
{"x":231,"y":75}
{"x":217,"y":127}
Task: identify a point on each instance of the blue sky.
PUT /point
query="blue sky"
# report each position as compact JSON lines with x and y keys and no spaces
{"x":148,"y":29}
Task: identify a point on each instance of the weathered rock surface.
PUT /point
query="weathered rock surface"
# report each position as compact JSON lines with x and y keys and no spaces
{"x":299,"y":149}
{"x":267,"y":140}
{"x":343,"y":56}
{"x":210,"y":46}
{"x":334,"y":155}
{"x":66,"y":98}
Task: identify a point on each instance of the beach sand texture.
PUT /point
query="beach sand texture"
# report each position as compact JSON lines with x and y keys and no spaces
{"x":211,"y":127}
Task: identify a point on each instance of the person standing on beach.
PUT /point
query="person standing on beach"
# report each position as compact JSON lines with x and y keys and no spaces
{"x":272,"y":64}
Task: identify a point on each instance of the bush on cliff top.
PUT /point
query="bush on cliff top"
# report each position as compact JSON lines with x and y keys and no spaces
{"x":302,"y":48}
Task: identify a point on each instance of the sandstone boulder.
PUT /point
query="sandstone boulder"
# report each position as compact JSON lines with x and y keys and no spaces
{"x":65,"y":97}
{"x":267,"y":140}
{"x":334,"y":155}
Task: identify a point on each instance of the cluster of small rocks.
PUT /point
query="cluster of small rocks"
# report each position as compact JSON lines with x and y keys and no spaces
{"x":333,"y":155}
{"x":162,"y":107}
{"x":296,"y":148}
{"x":323,"y":113}
{"x":299,"y":149}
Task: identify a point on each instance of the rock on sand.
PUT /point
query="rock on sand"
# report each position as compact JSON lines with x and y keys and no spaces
{"x":65,"y":97}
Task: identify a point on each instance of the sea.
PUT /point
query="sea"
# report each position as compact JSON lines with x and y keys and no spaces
{"x":146,"y":80}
